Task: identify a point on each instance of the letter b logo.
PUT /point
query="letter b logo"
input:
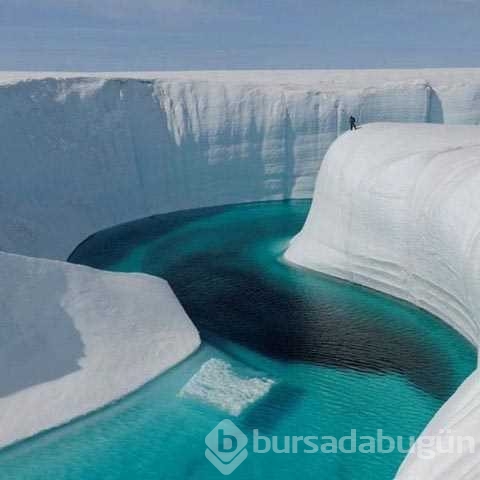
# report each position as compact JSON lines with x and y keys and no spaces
{"x":226,"y":447}
{"x":226,"y":443}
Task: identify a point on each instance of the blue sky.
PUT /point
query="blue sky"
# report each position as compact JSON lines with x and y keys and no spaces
{"x":226,"y":34}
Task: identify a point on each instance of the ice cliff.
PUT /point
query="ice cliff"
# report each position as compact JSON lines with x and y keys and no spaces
{"x":83,"y":152}
{"x":73,"y":339}
{"x":397,"y":208}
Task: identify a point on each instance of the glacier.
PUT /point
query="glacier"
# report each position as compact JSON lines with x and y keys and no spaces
{"x":74,"y":339}
{"x":397,"y":208}
{"x":81,"y":152}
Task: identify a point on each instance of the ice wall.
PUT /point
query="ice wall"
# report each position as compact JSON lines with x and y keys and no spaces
{"x":397,"y":208}
{"x":73,"y":339}
{"x":80,"y":153}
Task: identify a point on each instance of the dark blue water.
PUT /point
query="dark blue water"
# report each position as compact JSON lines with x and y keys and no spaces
{"x":343,"y":357}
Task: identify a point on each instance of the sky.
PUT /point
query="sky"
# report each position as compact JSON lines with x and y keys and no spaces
{"x":126,"y":35}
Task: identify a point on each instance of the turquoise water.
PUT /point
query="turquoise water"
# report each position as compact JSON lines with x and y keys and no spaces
{"x":343,"y":357}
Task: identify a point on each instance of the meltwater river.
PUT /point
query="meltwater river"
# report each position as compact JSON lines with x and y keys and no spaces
{"x":342,"y":357}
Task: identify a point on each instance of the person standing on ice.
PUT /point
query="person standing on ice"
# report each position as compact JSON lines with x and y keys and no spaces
{"x":353,"y":123}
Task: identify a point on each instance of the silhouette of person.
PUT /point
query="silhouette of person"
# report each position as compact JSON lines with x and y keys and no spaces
{"x":353,"y":123}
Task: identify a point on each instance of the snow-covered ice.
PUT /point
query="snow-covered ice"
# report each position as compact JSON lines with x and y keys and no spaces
{"x":83,"y":152}
{"x":217,"y":384}
{"x":397,"y":208}
{"x":73,"y":339}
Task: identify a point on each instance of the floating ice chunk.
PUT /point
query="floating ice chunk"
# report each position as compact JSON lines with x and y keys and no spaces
{"x":218,"y":385}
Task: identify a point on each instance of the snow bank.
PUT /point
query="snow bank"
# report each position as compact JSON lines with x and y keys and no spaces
{"x":397,"y":208}
{"x":84,"y":152}
{"x":73,"y":339}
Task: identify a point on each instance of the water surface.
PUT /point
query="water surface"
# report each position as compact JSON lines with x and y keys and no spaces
{"x":343,"y":357}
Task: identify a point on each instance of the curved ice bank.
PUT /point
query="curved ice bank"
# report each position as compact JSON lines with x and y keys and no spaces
{"x":397,"y":208}
{"x":73,"y":339}
{"x":80,"y":153}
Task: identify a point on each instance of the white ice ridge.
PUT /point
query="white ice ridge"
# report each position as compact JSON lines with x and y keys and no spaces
{"x":73,"y":339}
{"x":217,"y":384}
{"x":81,"y":152}
{"x":397,"y":208}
